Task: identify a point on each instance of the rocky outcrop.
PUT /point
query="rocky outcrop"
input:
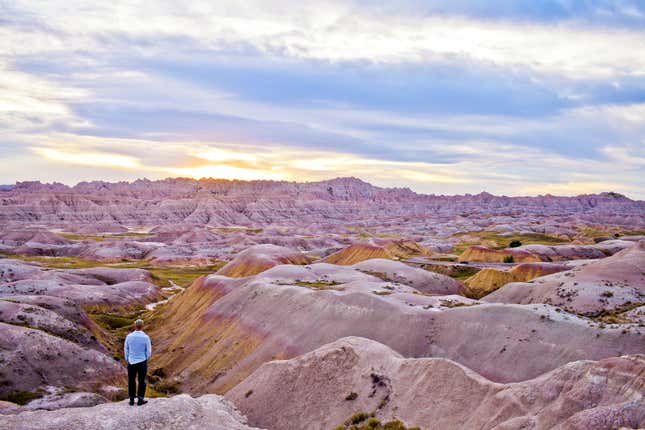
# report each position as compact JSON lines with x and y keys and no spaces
{"x":223,"y":202}
{"x":612,"y":284}
{"x":486,"y":281}
{"x":482,"y":253}
{"x":48,"y":341}
{"x":182,"y":412}
{"x":489,"y":279}
{"x":259,"y":258}
{"x":32,"y":358}
{"x":376,"y":249}
{"x":101,"y":287}
{"x":319,"y":390}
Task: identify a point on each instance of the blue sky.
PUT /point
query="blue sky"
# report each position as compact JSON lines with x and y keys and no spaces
{"x":512,"y":97}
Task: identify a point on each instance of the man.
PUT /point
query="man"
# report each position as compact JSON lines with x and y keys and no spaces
{"x":137,"y":351}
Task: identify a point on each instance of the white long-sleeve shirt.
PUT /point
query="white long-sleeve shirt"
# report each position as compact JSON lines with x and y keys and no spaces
{"x":137,"y":347}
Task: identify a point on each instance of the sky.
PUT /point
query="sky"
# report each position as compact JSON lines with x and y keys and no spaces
{"x":515,"y":97}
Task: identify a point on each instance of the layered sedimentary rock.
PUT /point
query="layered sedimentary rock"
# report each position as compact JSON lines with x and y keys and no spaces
{"x":205,"y":201}
{"x":47,"y":340}
{"x":385,"y":249}
{"x":259,"y":258}
{"x":482,"y":253}
{"x":489,"y":279}
{"x":321,"y":389}
{"x":221,"y":329}
{"x":32,"y":358}
{"x":611,"y":284}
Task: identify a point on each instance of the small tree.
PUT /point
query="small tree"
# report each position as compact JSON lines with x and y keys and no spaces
{"x":515,"y":244}
{"x":509,"y":259}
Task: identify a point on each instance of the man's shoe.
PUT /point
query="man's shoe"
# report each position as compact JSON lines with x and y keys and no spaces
{"x":131,"y":402}
{"x":141,"y":402}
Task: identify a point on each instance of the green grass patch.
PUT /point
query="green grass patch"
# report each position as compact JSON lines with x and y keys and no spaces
{"x":319,"y":285}
{"x":182,"y":275}
{"x":112,"y":322}
{"x":102,"y":237}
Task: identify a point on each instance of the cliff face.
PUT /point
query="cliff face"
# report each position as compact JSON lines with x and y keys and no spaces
{"x":204,"y":201}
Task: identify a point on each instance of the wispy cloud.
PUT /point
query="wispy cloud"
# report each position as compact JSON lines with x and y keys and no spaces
{"x":451,"y":96}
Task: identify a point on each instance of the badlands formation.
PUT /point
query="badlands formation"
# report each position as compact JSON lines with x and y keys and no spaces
{"x":325,"y":305}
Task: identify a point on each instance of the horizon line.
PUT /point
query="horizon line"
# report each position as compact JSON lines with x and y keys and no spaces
{"x":186,"y":178}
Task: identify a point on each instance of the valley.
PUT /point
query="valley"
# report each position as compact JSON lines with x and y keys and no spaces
{"x":322,"y":305}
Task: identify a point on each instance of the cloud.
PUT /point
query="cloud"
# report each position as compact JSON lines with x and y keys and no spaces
{"x":329,"y":31}
{"x":446,"y":97}
{"x":85,"y":158}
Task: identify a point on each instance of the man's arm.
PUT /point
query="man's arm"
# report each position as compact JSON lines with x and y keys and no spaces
{"x":126,"y":349}
{"x":148,"y":349}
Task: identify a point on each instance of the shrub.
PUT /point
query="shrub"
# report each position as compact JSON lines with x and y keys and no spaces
{"x":373,"y":423}
{"x":358,"y":417}
{"x":607,"y":294}
{"x":514,"y":244}
{"x":351,"y":396}
{"x":509,"y":259}
{"x":394,"y":425}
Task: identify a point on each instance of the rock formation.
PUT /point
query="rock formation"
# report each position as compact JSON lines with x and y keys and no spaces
{"x":182,"y":412}
{"x":482,"y":253}
{"x":384,"y":249}
{"x":314,"y":391}
{"x":489,"y":279}
{"x":259,"y":258}
{"x":221,"y":329}
{"x":615,"y":283}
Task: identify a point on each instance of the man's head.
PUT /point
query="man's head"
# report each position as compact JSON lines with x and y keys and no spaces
{"x":138,"y":324}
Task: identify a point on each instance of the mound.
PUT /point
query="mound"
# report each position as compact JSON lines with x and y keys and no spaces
{"x":220,"y":329}
{"x":570,"y":252}
{"x":485,"y":281}
{"x":100,"y":286}
{"x":29,"y":315}
{"x":32,"y":359}
{"x":422,"y":280}
{"x":181,"y":412}
{"x":377,"y":249}
{"x":488,"y":280}
{"x":482,"y":253}
{"x":608,"y":285}
{"x":259,"y":258}
{"x":32,"y":238}
{"x":311,"y":392}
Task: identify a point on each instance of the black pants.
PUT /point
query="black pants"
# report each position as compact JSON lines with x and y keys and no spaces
{"x":137,"y":372}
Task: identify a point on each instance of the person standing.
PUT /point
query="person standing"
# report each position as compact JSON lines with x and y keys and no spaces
{"x":137,"y":352}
